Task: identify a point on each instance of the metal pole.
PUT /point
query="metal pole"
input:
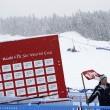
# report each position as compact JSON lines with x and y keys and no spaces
{"x":84,"y":87}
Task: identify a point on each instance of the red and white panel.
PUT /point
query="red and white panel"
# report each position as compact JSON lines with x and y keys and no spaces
{"x":29,"y":68}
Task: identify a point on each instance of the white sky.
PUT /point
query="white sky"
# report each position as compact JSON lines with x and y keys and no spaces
{"x":48,"y":7}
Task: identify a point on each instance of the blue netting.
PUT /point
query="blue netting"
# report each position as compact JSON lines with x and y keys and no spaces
{"x":36,"y":107}
{"x":95,"y":107}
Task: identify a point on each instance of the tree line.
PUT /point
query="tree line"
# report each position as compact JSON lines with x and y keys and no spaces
{"x":94,"y":25}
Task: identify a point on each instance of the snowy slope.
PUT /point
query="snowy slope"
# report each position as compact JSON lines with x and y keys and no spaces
{"x":87,"y":58}
{"x":74,"y":63}
{"x":7,"y":37}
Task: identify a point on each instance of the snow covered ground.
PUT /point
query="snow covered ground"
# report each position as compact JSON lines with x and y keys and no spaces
{"x":87,"y":57}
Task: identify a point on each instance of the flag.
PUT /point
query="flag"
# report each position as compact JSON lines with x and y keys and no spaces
{"x":91,"y":74}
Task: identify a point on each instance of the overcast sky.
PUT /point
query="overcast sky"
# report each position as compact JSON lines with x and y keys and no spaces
{"x":48,"y":7}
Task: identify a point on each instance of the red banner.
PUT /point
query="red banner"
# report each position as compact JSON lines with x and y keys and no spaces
{"x":91,"y":74}
{"x":31,"y":67}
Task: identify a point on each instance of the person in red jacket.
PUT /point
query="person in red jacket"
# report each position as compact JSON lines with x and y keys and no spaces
{"x":102,"y":91}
